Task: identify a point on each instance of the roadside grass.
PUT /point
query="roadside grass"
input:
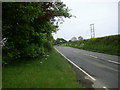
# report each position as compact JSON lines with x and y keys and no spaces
{"x":107,"y":45}
{"x":52,"y":71}
{"x":0,"y":67}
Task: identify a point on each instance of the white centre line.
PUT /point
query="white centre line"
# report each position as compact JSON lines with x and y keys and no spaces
{"x":93,"y":56}
{"x":82,"y":69}
{"x":77,"y":66}
{"x":113,"y":62}
{"x":86,"y":54}
{"x":103,"y":59}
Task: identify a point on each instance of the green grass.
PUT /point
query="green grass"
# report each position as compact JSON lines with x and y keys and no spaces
{"x":53,"y":72}
{"x":0,"y":67}
{"x":108,"y":44}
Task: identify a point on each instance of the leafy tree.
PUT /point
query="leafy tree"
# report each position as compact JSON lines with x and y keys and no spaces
{"x":59,"y":41}
{"x":80,"y":38}
{"x":28,"y":27}
{"x":73,"y":39}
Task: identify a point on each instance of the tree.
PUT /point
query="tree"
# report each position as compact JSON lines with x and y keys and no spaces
{"x":28,"y":27}
{"x":59,"y":41}
{"x":73,"y":39}
{"x":80,"y":38}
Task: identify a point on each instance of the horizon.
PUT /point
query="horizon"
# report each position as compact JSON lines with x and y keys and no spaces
{"x":91,"y":38}
{"x":103,"y":14}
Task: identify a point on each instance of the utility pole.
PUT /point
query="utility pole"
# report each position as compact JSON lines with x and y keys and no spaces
{"x":92,"y":30}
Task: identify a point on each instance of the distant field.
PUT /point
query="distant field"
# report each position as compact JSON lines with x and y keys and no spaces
{"x":53,"y":71}
{"x":108,"y":44}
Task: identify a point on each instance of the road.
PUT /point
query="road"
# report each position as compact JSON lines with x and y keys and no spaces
{"x":101,"y":69}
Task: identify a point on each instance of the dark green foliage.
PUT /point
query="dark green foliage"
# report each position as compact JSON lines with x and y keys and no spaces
{"x":80,"y":38}
{"x":28,"y":27}
{"x":108,"y":44}
{"x":59,"y":41}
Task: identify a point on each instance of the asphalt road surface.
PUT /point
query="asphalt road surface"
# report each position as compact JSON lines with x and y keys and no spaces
{"x":101,"y":69}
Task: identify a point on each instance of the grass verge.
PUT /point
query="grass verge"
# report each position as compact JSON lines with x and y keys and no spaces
{"x":52,"y":71}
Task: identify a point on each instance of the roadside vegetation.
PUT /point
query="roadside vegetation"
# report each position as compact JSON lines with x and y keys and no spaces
{"x":28,"y":58}
{"x":107,"y":44}
{"x":28,"y":28}
{"x":51,"y":71}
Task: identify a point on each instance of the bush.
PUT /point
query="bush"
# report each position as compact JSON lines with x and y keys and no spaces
{"x":9,"y":54}
{"x":28,"y":27}
{"x":33,"y":51}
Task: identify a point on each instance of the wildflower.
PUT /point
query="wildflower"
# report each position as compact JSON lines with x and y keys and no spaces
{"x":40,"y":62}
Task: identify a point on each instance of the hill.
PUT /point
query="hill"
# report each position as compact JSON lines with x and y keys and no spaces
{"x":107,"y":44}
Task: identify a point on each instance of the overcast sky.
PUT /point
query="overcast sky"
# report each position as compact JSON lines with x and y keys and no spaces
{"x":103,"y":13}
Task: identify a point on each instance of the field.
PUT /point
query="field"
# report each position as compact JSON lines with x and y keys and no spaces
{"x":52,"y":71}
{"x":108,"y":44}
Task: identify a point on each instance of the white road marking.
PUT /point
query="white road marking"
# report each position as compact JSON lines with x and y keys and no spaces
{"x":113,"y":62}
{"x":86,"y":54}
{"x":103,"y":59}
{"x":93,"y":56}
{"x":77,"y":66}
{"x":105,"y":88}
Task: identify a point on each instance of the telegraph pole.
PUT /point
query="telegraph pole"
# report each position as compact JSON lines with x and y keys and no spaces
{"x":92,"y":30}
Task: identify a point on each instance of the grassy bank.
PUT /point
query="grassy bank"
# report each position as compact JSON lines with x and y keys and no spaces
{"x":108,"y":44}
{"x":53,"y":71}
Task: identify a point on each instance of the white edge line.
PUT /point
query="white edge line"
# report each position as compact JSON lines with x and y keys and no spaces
{"x":76,"y":66}
{"x":105,"y":88}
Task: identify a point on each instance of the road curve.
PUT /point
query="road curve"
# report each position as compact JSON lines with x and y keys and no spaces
{"x":102,"y":67}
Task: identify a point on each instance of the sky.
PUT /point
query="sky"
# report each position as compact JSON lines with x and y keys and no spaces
{"x":102,"y":13}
